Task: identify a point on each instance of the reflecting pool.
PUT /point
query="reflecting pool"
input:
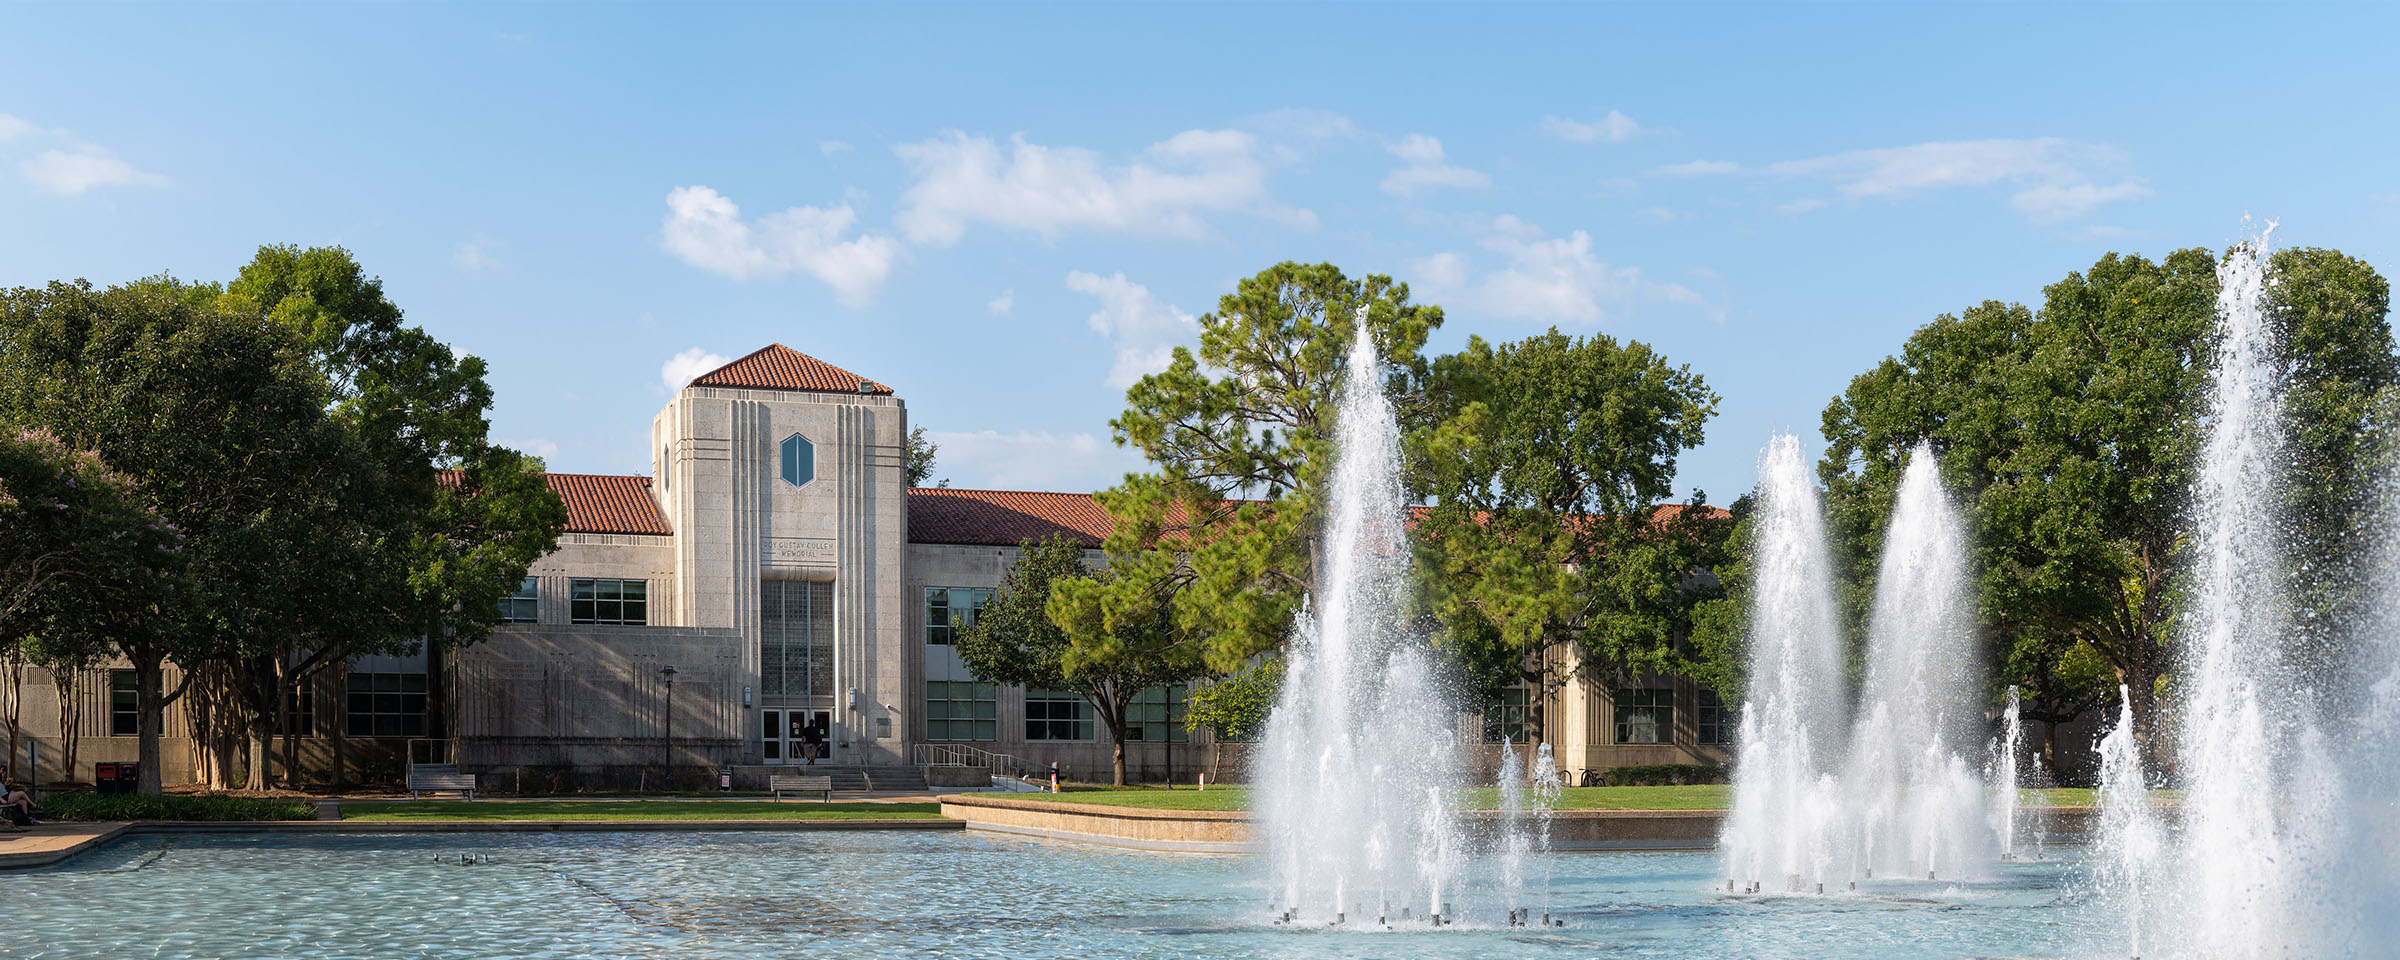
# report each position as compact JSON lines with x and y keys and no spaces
{"x":870,"y":894}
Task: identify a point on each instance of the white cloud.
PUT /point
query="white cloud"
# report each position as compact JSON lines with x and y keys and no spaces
{"x":71,"y":166}
{"x":1171,"y":189}
{"x":536,"y":446}
{"x":1032,"y":460}
{"x":705,"y":229}
{"x":70,"y":173}
{"x":1144,"y":329}
{"x":1613,"y":128}
{"x":831,"y":147}
{"x":1002,"y":304}
{"x":1802,"y":205}
{"x":2057,"y":179}
{"x":682,"y":367}
{"x":1697,"y":168}
{"x":1661,"y":214}
{"x":1545,"y":279}
{"x":478,"y":253}
{"x":2053,"y":202}
{"x":1426,"y":168}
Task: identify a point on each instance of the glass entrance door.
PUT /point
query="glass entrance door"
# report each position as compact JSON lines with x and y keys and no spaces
{"x":795,"y":736}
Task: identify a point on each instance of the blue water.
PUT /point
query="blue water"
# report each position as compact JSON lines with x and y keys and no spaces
{"x":700,"y":896}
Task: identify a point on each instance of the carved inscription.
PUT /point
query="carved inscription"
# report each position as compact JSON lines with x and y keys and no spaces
{"x":800,"y":550}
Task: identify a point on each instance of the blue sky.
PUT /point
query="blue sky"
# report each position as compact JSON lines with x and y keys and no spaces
{"x":1006,"y":212}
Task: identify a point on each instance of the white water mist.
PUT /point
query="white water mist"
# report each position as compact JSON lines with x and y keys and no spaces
{"x":1360,"y":766}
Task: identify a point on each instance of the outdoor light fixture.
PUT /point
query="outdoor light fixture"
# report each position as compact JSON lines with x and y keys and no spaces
{"x":666,"y":734}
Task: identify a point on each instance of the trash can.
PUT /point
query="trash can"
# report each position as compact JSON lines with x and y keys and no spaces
{"x":116,"y":777}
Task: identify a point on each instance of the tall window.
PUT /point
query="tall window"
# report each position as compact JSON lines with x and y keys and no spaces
{"x":960,"y":710}
{"x":1157,"y":714}
{"x":1716,"y":721}
{"x":795,"y":645}
{"x":124,"y":705}
{"x":1053,"y":715}
{"x":799,"y":460}
{"x":609,"y":601}
{"x":299,"y":715}
{"x":524,"y":606}
{"x":949,"y":611}
{"x":1645,"y":716}
{"x":386,"y":705}
{"x":1510,"y":717}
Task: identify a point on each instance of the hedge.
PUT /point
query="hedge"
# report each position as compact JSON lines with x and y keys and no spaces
{"x":1665,"y":775}
{"x":189,"y":807}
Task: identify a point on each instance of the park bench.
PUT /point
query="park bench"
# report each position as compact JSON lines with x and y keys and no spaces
{"x":777,"y":783}
{"x":428,"y":781}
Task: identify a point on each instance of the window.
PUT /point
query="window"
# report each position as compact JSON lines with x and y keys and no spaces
{"x":524,"y":606}
{"x":1717,"y":722}
{"x":1156,"y":714}
{"x":950,"y":610}
{"x":960,"y":710}
{"x":124,"y":705}
{"x":1645,"y":716}
{"x":1052,"y":715}
{"x":799,"y":460}
{"x":386,"y":705}
{"x":299,"y":716}
{"x":795,"y":643}
{"x":609,"y":601}
{"x":1510,"y":717}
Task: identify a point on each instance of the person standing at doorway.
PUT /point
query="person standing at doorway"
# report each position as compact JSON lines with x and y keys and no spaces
{"x":810,"y":738}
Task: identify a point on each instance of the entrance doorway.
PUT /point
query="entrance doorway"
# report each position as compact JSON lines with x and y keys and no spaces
{"x":787,"y":734}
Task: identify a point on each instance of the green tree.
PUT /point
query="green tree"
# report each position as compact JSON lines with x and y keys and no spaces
{"x":1037,"y":633}
{"x":464,"y":518}
{"x":70,"y":528}
{"x":2071,"y":437}
{"x":1546,"y":530}
{"x":918,"y":458}
{"x":1240,"y":437}
{"x":223,"y":423}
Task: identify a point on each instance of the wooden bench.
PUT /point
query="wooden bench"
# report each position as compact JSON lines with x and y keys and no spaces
{"x":777,"y":783}
{"x":429,"y":782}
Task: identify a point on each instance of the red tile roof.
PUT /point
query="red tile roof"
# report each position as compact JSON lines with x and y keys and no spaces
{"x":597,"y":504}
{"x":1003,"y":518}
{"x":778,"y":367}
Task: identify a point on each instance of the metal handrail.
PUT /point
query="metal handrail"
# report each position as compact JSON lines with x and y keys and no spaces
{"x":962,"y":755}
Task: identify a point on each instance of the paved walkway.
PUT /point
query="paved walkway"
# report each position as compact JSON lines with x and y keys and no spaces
{"x":47,"y":843}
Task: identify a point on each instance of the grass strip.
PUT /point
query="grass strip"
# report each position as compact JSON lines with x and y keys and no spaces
{"x":1692,"y":797}
{"x":398,"y":811}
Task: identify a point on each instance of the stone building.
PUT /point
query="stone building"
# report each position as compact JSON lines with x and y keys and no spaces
{"x":773,"y":588}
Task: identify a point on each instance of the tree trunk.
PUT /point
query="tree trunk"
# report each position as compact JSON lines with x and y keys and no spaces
{"x":262,"y":748}
{"x":70,"y":721}
{"x":150,"y":709}
{"x":2050,"y":749}
{"x":2141,"y":694}
{"x":13,"y":667}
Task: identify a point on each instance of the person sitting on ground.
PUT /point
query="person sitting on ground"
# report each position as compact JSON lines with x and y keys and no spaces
{"x":18,"y":805}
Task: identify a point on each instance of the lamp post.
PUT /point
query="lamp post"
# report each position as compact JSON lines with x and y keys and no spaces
{"x":666,"y":739}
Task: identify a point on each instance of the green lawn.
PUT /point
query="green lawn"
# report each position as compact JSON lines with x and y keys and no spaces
{"x":406,"y":810}
{"x":1696,"y":797}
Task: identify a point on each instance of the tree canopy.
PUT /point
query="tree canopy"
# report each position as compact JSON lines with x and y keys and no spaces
{"x":2071,"y":436}
{"x":1036,"y":632}
{"x":1546,"y":530}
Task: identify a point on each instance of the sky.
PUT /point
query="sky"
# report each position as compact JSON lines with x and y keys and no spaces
{"x":1008,"y":213}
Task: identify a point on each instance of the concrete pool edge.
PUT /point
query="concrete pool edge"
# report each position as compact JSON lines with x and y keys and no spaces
{"x":1228,"y":831}
{"x":85,"y":837}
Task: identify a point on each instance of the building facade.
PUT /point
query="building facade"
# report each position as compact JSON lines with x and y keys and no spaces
{"x":774,"y":592}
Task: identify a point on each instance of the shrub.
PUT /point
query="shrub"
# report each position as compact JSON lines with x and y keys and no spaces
{"x":1665,"y":775}
{"x":134,"y":806}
